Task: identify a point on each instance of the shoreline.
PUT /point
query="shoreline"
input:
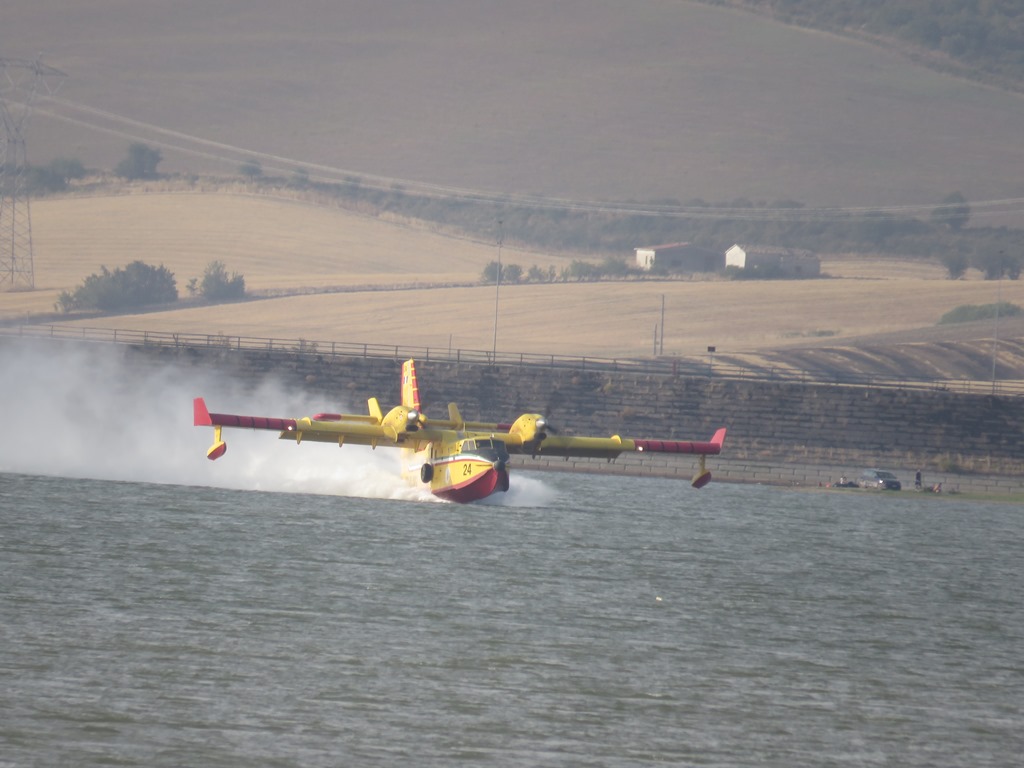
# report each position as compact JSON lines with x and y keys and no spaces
{"x":776,"y":473}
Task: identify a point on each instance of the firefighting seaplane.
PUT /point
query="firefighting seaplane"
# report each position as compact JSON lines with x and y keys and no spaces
{"x":459,"y":460}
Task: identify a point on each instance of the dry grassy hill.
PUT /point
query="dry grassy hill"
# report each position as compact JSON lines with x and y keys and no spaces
{"x":595,"y":101}
{"x":366,"y":280}
{"x":278,"y":243}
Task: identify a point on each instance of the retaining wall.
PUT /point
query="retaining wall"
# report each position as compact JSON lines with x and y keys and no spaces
{"x":790,"y":474}
{"x":796,"y":433}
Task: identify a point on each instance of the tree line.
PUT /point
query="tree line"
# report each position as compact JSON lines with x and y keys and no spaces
{"x":944,"y":235}
{"x":982,"y":38}
{"x":139,"y":285}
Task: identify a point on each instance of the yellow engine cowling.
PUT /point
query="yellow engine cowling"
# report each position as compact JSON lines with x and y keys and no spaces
{"x":530,"y":428}
{"x":400,"y":420}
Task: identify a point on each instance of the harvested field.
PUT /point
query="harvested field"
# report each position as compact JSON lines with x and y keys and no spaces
{"x":530,"y":97}
{"x":362,"y":279}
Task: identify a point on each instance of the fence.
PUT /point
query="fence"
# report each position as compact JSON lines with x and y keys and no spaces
{"x":656,"y":366}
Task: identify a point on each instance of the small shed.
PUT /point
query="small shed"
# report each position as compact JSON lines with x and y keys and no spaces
{"x":679,"y":257}
{"x":786,"y":262}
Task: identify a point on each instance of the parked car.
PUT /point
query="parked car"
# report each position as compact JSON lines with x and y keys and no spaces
{"x":879,"y":479}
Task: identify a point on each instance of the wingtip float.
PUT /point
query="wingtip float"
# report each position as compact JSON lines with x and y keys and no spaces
{"x":458,"y":460}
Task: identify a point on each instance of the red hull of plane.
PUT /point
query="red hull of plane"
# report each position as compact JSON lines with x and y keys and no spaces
{"x":480,"y":487}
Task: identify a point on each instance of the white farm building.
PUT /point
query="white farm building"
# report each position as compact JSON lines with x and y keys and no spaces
{"x":679,"y":257}
{"x":785,"y":262}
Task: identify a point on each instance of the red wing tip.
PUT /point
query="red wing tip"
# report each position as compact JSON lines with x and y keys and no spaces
{"x":200,"y":414}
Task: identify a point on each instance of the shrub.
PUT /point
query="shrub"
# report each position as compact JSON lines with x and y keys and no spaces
{"x":510,"y":273}
{"x":55,"y":176}
{"x":954,"y":212}
{"x":140,"y":163}
{"x":251,"y":169}
{"x":956,"y":264}
{"x":216,"y":285}
{"x":135,"y":285}
{"x":969,"y":312}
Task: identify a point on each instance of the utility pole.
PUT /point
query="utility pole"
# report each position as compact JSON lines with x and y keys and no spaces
{"x":661,"y":350}
{"x":995,"y":330}
{"x":19,"y":82}
{"x":497,"y":291}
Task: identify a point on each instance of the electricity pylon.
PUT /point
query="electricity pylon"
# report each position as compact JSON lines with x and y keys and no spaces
{"x":20,"y":80}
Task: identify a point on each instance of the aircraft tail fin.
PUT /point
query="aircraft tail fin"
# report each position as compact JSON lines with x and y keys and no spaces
{"x":455,"y":417}
{"x":410,"y":390}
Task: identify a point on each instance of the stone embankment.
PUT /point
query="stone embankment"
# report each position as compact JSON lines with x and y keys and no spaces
{"x":784,"y":433}
{"x":781,"y":473}
{"x":799,"y":434}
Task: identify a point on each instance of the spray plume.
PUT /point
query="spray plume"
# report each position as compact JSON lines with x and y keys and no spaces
{"x":84,"y":411}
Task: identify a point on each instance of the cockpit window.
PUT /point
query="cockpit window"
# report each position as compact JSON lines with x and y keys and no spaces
{"x":484,"y":446}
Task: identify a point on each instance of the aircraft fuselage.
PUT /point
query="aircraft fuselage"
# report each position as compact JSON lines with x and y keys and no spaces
{"x":468,"y":470}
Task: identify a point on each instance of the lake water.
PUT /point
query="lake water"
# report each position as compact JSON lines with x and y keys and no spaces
{"x":590,"y":621}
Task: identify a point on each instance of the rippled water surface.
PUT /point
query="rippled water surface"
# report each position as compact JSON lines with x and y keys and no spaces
{"x":617,"y":621}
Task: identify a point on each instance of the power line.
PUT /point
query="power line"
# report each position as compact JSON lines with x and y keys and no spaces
{"x":223,"y":152}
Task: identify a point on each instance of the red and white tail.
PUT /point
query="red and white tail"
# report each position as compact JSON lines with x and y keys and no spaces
{"x":410,"y":390}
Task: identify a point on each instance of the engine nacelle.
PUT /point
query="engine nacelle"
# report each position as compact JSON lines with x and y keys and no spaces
{"x":401,"y":420}
{"x":531,"y":428}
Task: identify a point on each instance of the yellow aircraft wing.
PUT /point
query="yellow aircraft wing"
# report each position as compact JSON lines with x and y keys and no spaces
{"x":610,"y":447}
{"x":402,"y":427}
{"x":530,"y":434}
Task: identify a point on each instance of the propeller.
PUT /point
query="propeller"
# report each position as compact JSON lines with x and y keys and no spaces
{"x":541,"y":429}
{"x":542,"y":426}
{"x":414,"y":419}
{"x":532,"y":429}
